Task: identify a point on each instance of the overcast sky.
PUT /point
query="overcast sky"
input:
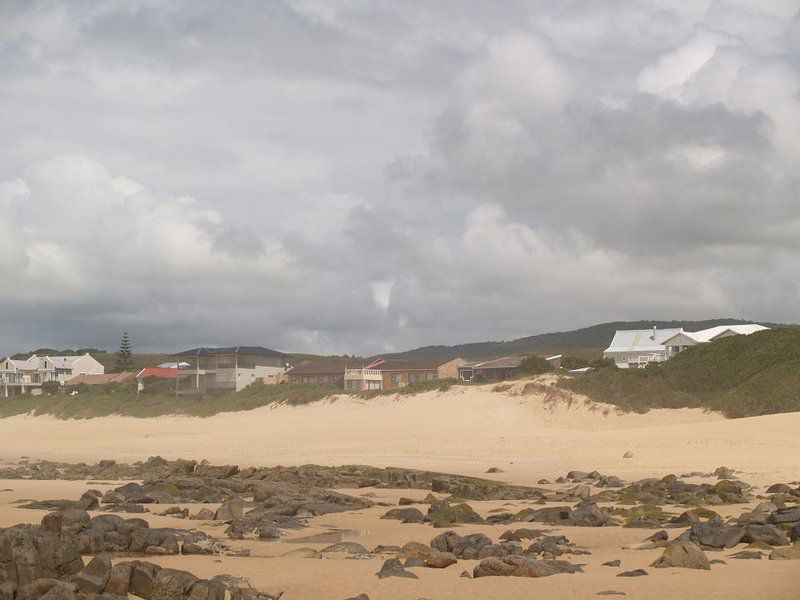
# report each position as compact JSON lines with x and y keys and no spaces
{"x":363,"y":176}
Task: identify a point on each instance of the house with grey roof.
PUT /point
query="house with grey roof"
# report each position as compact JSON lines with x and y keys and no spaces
{"x":637,"y":348}
{"x":231,"y":368}
{"x":27,"y":376}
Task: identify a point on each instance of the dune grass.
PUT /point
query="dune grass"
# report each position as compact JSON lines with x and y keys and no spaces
{"x":739,"y":376}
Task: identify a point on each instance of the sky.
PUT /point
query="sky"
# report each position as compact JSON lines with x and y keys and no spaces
{"x":368,"y":176}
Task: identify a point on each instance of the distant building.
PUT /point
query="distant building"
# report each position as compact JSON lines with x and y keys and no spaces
{"x":387,"y":374}
{"x":637,"y":348}
{"x":100,"y":379}
{"x":680,"y":341}
{"x":21,"y":376}
{"x":496,"y":369}
{"x":324,"y":370}
{"x":234,"y":368}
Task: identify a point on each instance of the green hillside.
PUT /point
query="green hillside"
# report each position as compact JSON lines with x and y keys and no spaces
{"x":740,"y":376}
{"x":596,"y":336}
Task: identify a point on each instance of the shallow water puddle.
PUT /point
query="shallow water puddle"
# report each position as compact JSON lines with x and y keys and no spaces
{"x":328,"y":537}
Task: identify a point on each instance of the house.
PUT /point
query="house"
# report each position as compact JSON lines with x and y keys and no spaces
{"x":233,"y":368}
{"x":680,"y":341}
{"x":100,"y":379}
{"x":21,"y":376}
{"x":497,"y":369}
{"x":157,"y":372}
{"x":637,"y":348}
{"x":387,"y":374}
{"x":323,"y":370}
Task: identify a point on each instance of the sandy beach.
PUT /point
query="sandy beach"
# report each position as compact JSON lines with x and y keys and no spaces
{"x":465,"y":431}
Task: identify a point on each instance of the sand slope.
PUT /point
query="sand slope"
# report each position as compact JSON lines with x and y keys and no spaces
{"x":464,"y":430}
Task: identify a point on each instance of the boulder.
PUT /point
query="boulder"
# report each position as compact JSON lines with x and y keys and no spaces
{"x":786,"y":553}
{"x":346,"y":548}
{"x":230,"y":510}
{"x":588,"y":514}
{"x":119,"y":579}
{"x":143,"y":578}
{"x":405,"y":515}
{"x":682,"y":554}
{"x":394,"y":568}
{"x":94,"y":576}
{"x":768,"y":534}
{"x":172,"y":584}
{"x":522,"y":566}
{"x":713,"y":535}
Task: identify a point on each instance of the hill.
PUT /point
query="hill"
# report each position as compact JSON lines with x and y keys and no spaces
{"x":740,"y":376}
{"x":595,"y":337}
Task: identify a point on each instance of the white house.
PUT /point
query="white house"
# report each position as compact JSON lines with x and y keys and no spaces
{"x":20,"y":376}
{"x":636,"y":348}
{"x":679,"y":342}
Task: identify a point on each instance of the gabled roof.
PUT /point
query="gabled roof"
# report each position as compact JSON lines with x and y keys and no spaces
{"x":63,"y":362}
{"x":158,"y":372}
{"x":99,"y":379}
{"x":421,"y":364}
{"x":506,"y":362}
{"x":641,"y":340}
{"x":240,"y":350}
{"x":712,"y":333}
{"x":327,"y":366}
{"x":30,"y":364}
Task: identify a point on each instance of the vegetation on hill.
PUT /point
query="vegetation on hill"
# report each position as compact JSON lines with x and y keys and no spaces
{"x":588,"y":341}
{"x":740,"y":376}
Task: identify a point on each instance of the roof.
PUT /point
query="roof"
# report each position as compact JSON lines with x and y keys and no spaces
{"x":30,"y":364}
{"x":64,"y":362}
{"x":174,"y":365}
{"x":327,"y":365}
{"x":641,"y":340}
{"x":158,"y":372}
{"x":506,"y":362}
{"x":99,"y":379}
{"x":240,"y":350}
{"x":420,"y":364}
{"x":707,"y":335}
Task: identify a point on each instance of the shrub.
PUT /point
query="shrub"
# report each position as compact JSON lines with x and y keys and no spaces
{"x":534,"y":365}
{"x":50,"y":387}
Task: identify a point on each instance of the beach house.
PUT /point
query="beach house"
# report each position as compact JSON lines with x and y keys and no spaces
{"x":680,"y":341}
{"x":18,"y":376}
{"x":229,"y":369}
{"x":387,"y":374}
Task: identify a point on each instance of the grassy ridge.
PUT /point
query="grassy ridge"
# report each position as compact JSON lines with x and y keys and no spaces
{"x":739,"y":376}
{"x":159,"y":399}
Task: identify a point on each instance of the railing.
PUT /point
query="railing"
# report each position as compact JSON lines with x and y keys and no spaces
{"x":643,"y":361}
{"x":362,"y":373}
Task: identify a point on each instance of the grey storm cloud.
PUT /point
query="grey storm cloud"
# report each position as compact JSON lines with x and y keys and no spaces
{"x":362,"y":177}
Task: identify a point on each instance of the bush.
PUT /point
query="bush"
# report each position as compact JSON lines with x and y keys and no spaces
{"x":574,"y":362}
{"x":50,"y":387}
{"x":534,"y":365}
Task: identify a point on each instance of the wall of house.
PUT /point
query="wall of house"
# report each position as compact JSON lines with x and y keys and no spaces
{"x":397,"y":379}
{"x":337,"y":377}
{"x":449,"y":370}
{"x":85,"y":365}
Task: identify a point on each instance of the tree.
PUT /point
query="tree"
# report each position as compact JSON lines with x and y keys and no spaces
{"x":125,"y":355}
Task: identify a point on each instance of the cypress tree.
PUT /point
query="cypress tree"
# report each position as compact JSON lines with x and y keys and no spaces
{"x":125,"y":354}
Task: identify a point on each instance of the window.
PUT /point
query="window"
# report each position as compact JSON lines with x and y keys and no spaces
{"x":324,"y":379}
{"x":353,"y":384}
{"x":413,"y":377}
{"x":307,"y":380}
{"x":430,"y":376}
{"x":397,"y":378}
{"x":373,"y":385}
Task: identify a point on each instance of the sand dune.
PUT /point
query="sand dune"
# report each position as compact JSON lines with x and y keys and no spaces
{"x":464,"y":430}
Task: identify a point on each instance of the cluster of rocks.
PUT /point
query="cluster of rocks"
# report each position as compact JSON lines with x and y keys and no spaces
{"x":35,"y":563}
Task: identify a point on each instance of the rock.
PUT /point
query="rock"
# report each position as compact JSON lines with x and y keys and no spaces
{"x":466,"y":574}
{"x":394,"y":568}
{"x":440,"y":560}
{"x":683,"y":554}
{"x":90,"y":500}
{"x":414,"y":561}
{"x":610,"y":593}
{"x":346,"y":548}
{"x":588,"y":514}
{"x":522,"y":566}
{"x":302,"y":553}
{"x":747,"y":555}
{"x":628,"y":454}
{"x":577,"y":475}
{"x":119,"y":579}
{"x":769,"y":534}
{"x":633,"y":573}
{"x":724,"y":473}
{"x":94,"y":576}
{"x":230,"y":511}
{"x":442,"y":513}
{"x":359,"y":597}
{"x":172,"y":584}
{"x":612,"y":563}
{"x":405,"y":515}
{"x":143,"y":578}
{"x":495,"y":470}
{"x":779,"y":488}
{"x":786,"y":553}
{"x":794,"y":533}
{"x":714,"y":535}
{"x":203,"y":514}
{"x":383,"y":549}
{"x":785,"y":515}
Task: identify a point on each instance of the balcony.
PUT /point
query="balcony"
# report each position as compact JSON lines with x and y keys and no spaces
{"x":363,"y":374}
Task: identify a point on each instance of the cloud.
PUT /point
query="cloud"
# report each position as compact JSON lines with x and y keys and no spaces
{"x":359,"y":177}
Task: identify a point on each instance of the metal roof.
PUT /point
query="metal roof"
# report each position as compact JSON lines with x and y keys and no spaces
{"x":712,"y":333}
{"x":641,"y":340}
{"x":240,"y":350}
{"x":327,"y":366}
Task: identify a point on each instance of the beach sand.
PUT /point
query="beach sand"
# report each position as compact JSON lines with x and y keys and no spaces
{"x":462,"y":431}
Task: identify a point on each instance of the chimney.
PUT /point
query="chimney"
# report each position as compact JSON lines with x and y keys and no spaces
{"x":654,"y":333}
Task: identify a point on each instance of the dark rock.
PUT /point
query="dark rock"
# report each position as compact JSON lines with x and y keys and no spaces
{"x":94,"y":576}
{"x":345,"y":547}
{"x":405,"y":515}
{"x":747,"y":555}
{"x":394,"y":568}
{"x":682,"y":554}
{"x":713,"y":535}
{"x":522,"y":566}
{"x":613,"y":563}
{"x":633,"y":573}
{"x":143,"y":578}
